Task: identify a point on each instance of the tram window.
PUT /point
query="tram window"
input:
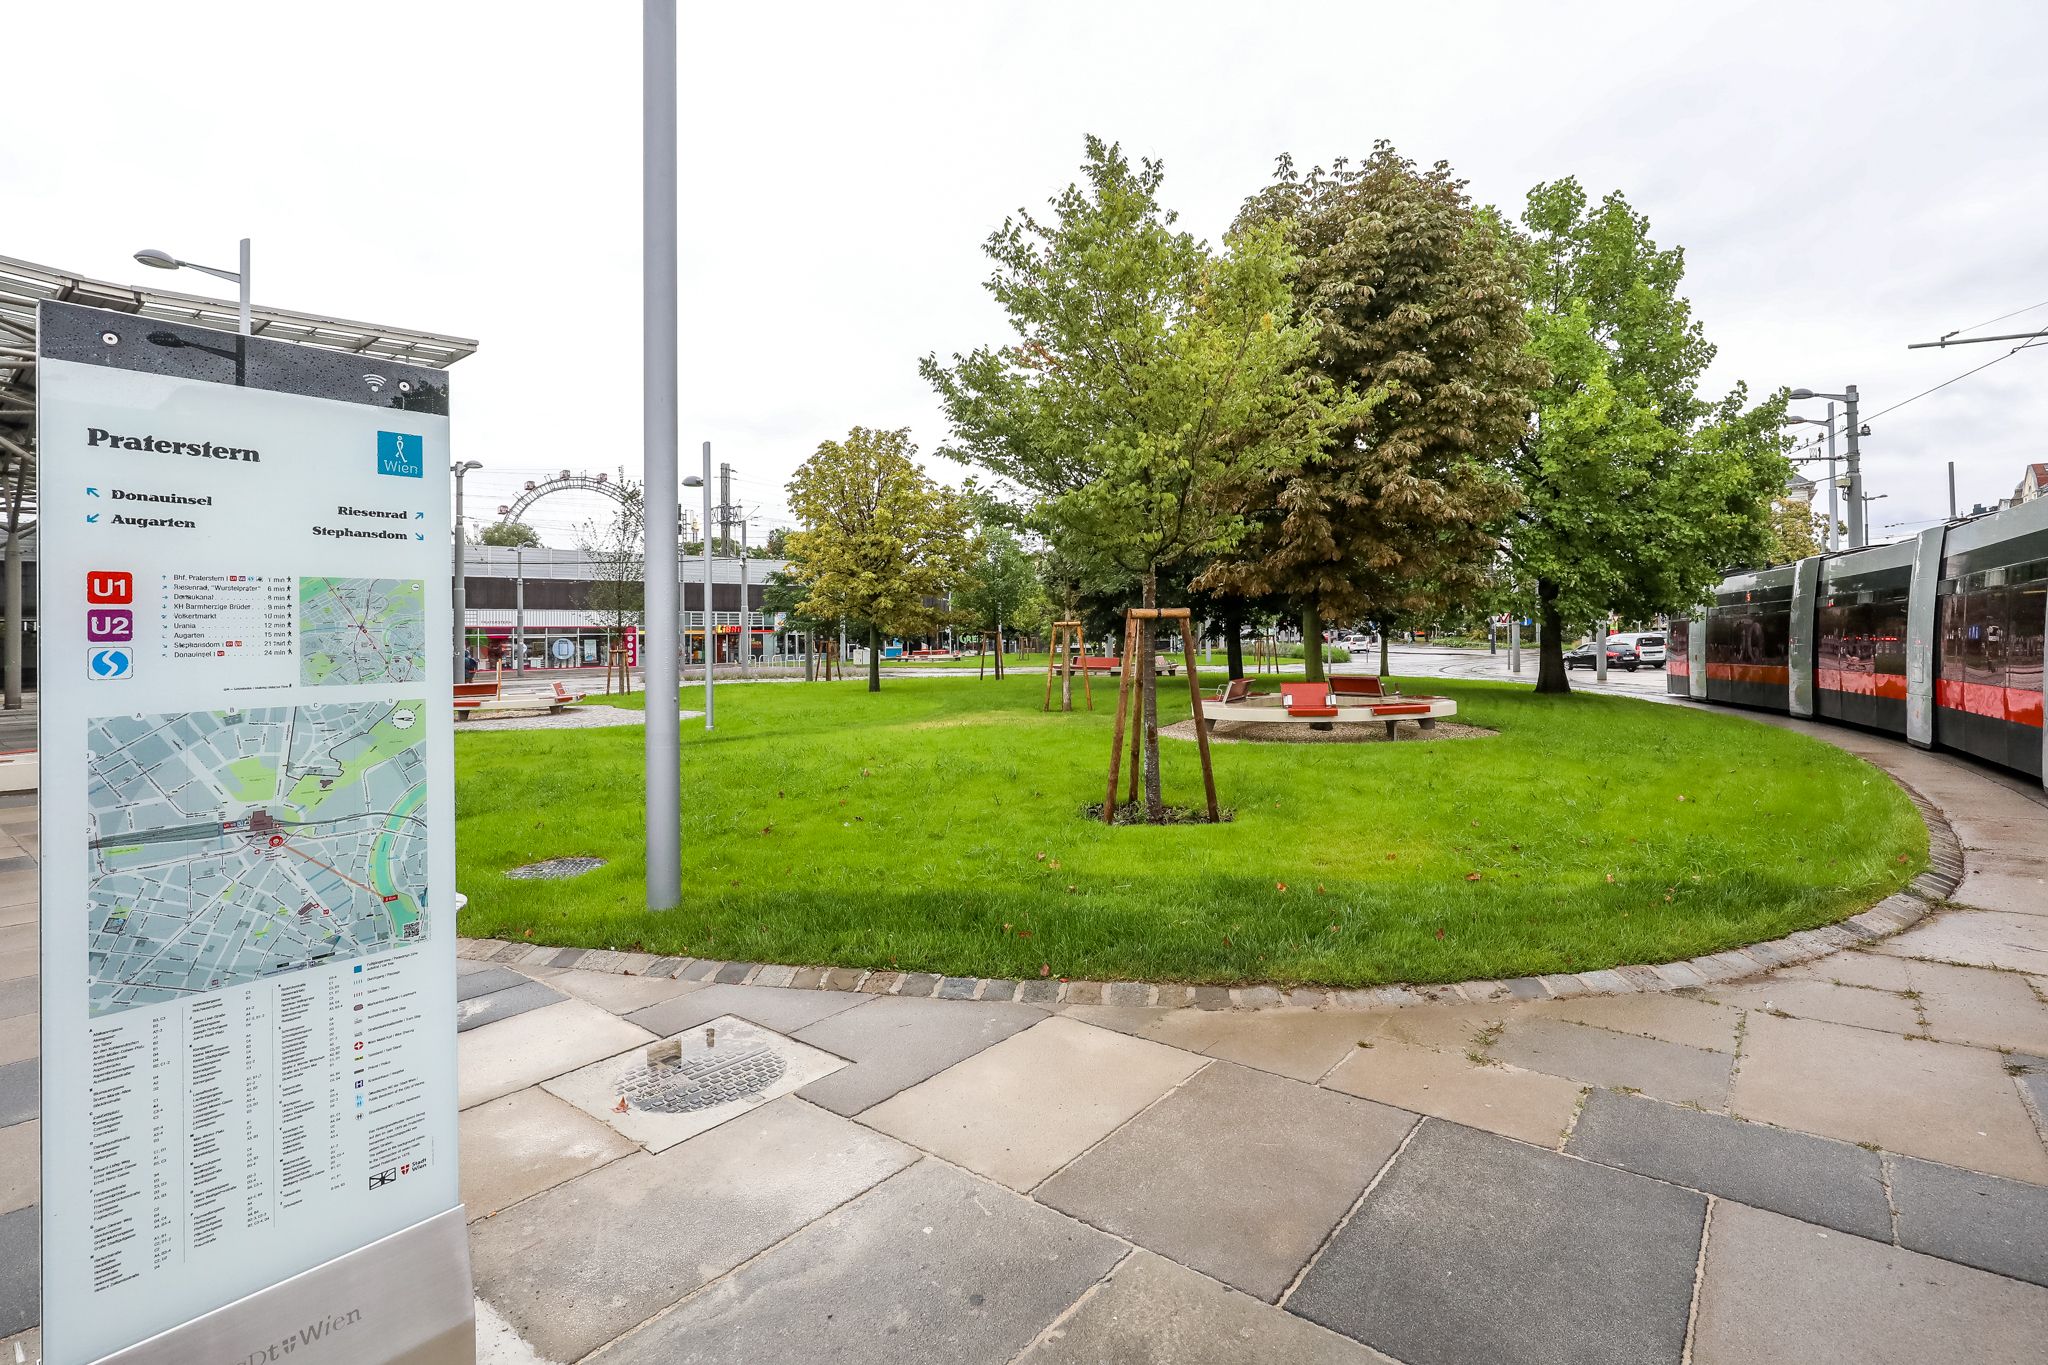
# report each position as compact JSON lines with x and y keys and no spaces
{"x":1952,"y":637}
{"x":1888,"y":632}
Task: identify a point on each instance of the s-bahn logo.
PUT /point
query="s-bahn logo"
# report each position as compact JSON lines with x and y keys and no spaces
{"x":401,"y":454}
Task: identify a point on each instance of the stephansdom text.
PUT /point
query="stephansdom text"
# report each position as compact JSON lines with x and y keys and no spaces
{"x":100,"y":436}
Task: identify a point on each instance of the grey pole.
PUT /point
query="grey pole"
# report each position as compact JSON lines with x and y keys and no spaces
{"x":1600,"y":650}
{"x":746,"y":610}
{"x":658,"y":436}
{"x":707,"y":585}
{"x":244,"y":277}
{"x":1834,"y":515}
{"x":1515,"y":644}
{"x":1858,"y":532}
{"x":1951,"y":490}
{"x":459,"y":594}
{"x":519,"y":607}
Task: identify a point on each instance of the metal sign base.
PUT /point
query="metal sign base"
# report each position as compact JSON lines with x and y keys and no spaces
{"x":403,"y":1300}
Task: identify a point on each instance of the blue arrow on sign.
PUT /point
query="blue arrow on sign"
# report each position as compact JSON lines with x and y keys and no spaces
{"x":92,"y":492}
{"x":417,"y":536}
{"x":92,"y":516}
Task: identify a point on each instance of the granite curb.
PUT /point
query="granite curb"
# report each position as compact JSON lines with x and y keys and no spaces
{"x":1925,"y":893}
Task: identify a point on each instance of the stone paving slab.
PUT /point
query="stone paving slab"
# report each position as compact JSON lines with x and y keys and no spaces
{"x":933,"y":1266}
{"x":21,"y":1091}
{"x":21,"y":1159}
{"x":493,"y":1006}
{"x":781,"y":1009}
{"x":618,"y":993}
{"x":529,"y":1048}
{"x":1776,"y":1289}
{"x":1977,"y":938}
{"x":1153,"y":1312}
{"x":2015,"y":886}
{"x":896,"y":1043}
{"x":1834,"y":1184}
{"x":1500,"y":1099}
{"x":1671,"y":1018}
{"x":1857,"y":1006}
{"x":526,"y":1142}
{"x":21,"y":1270}
{"x":1025,"y":1107}
{"x":1936,"y":1100}
{"x":578,"y":1265}
{"x":482,"y":978}
{"x":1238,"y":1174}
{"x":599,"y":1089}
{"x":1303,"y":1044}
{"x":1667,"y":1071}
{"x":1981,"y":1007}
{"x":23,"y":995}
{"x":22,"y":1038}
{"x":1475,"y":1249}
{"x":1978,"y":1220}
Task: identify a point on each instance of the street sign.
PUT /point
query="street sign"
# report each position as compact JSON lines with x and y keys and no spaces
{"x":248,"y":935}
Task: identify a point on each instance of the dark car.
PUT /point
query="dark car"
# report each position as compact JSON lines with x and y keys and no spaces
{"x":1620,"y":654}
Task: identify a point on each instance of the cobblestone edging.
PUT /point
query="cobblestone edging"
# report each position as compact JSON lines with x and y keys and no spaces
{"x":1887,"y":917}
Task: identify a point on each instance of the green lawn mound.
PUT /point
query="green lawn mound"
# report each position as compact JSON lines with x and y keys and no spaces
{"x":938,"y":826}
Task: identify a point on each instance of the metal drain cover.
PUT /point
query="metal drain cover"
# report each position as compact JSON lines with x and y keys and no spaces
{"x":555,"y":869}
{"x":716,"y":1077}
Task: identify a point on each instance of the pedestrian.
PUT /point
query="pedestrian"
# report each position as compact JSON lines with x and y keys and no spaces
{"x":469,"y":666}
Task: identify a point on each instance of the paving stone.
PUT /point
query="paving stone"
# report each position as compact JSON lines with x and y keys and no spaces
{"x":479,"y":1010}
{"x":933,"y":1266}
{"x":808,"y":978}
{"x":1083,"y":993}
{"x":479,"y":949}
{"x":23,"y":1346}
{"x":1776,"y":1289}
{"x":21,"y":1038}
{"x":844,"y":978}
{"x":999,"y":990}
{"x":881,"y":983}
{"x":1212,"y":998}
{"x":919,"y":984}
{"x":775,"y":975}
{"x":1875,"y":970}
{"x":1858,"y":1006}
{"x":1668,"y":1071}
{"x":484,"y":978}
{"x":1303,"y":1044}
{"x":1475,"y":1249}
{"x":1025,"y":1107}
{"x":670,"y":966}
{"x":1834,"y":1184}
{"x":1980,"y":1220}
{"x":703,"y":969}
{"x":617,"y":993}
{"x":21,"y":1157}
{"x":1153,"y":1312}
{"x":21,"y":1091}
{"x":578,"y":1265}
{"x":734,"y":973}
{"x":23,"y":995}
{"x":780,"y":1009}
{"x":1258,"y":1217}
{"x":1500,"y":1099}
{"x":898,"y":1042}
{"x":1977,"y":938}
{"x":1672,"y":1018}
{"x":1258,"y":998}
{"x":1127,"y":994}
{"x":1527,"y":988}
{"x":1447,"y":1028}
{"x":529,"y":1048}
{"x":1039,"y":992}
{"x":1935,"y":1100}
{"x":959,"y":988}
{"x":526,"y":1142}
{"x":1175,"y":997}
{"x":20,"y":1270}
{"x":1985,"y":1008}
{"x":512,"y":951}
{"x":2018,"y":886}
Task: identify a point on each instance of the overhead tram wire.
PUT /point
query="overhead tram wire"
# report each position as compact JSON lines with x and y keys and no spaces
{"x":2030,"y":343}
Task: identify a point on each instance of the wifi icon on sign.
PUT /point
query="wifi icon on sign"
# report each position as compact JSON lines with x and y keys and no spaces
{"x":375,"y":381}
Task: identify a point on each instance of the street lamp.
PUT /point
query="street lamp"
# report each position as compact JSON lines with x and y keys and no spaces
{"x":1854,"y":456}
{"x":459,"y":469}
{"x":164,"y":260}
{"x":1834,"y":520}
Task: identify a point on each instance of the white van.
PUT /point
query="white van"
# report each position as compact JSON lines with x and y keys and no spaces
{"x":1647,"y":644}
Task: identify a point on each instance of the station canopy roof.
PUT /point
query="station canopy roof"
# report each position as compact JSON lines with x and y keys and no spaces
{"x":23,"y":285}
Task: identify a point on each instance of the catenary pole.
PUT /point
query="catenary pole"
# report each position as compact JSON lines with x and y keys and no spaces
{"x":1858,"y":526}
{"x":658,"y":434}
{"x":708,"y":638}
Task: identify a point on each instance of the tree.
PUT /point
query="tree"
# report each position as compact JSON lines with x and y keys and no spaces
{"x":1636,"y":491}
{"x":1417,"y":300}
{"x":615,"y":549}
{"x":510,"y":534}
{"x":1146,"y":372}
{"x":1000,"y":589}
{"x":880,"y":542}
{"x":1798,"y":529}
{"x":782,"y":593}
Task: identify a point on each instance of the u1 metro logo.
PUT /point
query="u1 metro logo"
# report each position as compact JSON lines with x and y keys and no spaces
{"x":105,"y":588}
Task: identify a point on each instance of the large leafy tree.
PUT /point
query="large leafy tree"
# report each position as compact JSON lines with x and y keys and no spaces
{"x":1146,"y":373}
{"x":510,"y":534}
{"x":1637,"y":491}
{"x":881,"y":543}
{"x":1417,"y":300}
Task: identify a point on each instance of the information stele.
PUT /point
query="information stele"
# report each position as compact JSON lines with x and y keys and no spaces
{"x":248,"y":932}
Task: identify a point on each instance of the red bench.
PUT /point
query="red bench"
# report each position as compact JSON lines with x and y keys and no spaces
{"x":1236,"y":690}
{"x":1356,"y":685}
{"x":1307,"y":699}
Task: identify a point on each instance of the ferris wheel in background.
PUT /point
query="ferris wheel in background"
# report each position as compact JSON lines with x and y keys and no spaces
{"x":564,"y":482}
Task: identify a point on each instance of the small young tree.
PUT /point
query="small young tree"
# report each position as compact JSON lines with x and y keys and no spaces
{"x":1000,"y":589}
{"x":1146,"y":373}
{"x":511,"y":534}
{"x":881,"y":542}
{"x":617,"y":595}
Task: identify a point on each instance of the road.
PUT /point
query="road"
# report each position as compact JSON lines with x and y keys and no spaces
{"x":1426,"y":661}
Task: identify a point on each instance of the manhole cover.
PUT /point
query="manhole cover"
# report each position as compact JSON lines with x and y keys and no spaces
{"x":554,"y":869}
{"x":701,"y":1082}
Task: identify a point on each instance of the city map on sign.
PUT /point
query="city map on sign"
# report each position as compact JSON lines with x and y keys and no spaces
{"x":362,"y":630}
{"x":228,"y":846}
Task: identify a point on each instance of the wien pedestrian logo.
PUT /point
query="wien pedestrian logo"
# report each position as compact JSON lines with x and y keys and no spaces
{"x":109,"y":664}
{"x":401,"y":454}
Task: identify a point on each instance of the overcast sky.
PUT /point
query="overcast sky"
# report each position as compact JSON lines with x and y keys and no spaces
{"x":1845,"y":179}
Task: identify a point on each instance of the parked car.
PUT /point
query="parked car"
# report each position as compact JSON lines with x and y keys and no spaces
{"x":1619,"y":655}
{"x":1648,"y":644}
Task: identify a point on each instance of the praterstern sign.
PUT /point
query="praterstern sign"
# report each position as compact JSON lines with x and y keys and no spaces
{"x":249,"y":1113}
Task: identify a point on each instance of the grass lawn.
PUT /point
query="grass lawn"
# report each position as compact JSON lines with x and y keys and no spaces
{"x":936,"y":827}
